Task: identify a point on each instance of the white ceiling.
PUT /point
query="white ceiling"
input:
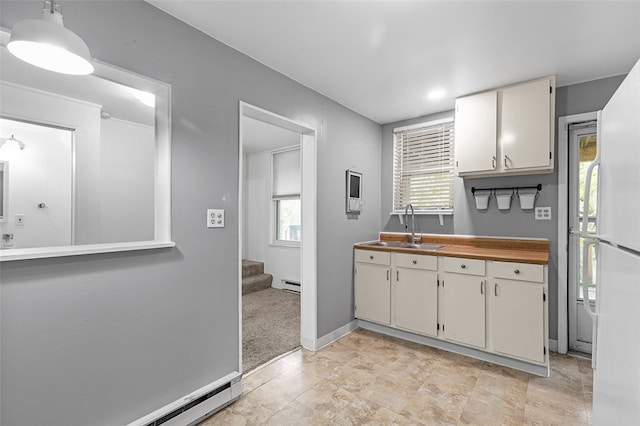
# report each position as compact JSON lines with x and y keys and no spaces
{"x":381,"y":58}
{"x":258,"y":136}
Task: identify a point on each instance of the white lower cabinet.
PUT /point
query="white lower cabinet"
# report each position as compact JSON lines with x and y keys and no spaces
{"x":498,"y":307}
{"x":415,"y":293}
{"x":463,"y":300}
{"x":463,"y":309}
{"x":373,"y":286}
{"x":517,"y":314}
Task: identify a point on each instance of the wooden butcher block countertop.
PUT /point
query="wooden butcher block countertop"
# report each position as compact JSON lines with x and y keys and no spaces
{"x":534,"y":251}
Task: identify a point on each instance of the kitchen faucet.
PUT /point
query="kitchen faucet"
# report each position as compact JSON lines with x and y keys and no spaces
{"x":414,"y":239}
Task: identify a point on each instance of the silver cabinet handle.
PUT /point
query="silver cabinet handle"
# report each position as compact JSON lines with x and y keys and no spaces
{"x":495,"y":289}
{"x":397,"y":275}
{"x":505,"y":162}
{"x":415,"y":261}
{"x":517,"y":271}
{"x":387,"y":275}
{"x":371,"y":257}
{"x":493,"y":162}
{"x":463,"y":266}
{"x":481,"y":287}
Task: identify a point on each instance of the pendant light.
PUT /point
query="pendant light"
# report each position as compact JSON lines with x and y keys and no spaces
{"x":47,"y":44}
{"x":13,"y":141}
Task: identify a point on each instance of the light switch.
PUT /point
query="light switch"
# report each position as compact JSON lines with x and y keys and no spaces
{"x":215,"y":218}
{"x":543,"y":213}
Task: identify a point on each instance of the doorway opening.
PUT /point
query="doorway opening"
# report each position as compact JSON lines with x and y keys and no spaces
{"x":37,"y":188}
{"x":578,"y":144}
{"x":277,"y":229}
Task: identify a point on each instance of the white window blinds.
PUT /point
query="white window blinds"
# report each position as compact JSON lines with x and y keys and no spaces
{"x":286,"y":173}
{"x":423,"y":171}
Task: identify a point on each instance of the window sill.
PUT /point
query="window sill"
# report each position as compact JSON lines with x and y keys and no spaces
{"x":440,"y":213}
{"x":283,"y":244}
{"x":7,"y":255}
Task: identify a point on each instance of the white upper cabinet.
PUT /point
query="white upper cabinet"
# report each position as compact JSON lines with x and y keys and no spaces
{"x":476,"y":132}
{"x":509,"y":131}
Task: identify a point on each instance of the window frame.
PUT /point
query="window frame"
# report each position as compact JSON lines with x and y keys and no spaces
{"x":451,"y":170}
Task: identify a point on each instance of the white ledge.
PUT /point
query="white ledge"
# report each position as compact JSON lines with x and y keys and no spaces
{"x":7,"y":255}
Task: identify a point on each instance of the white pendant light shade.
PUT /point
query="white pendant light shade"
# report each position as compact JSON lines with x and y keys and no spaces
{"x":47,"y":44}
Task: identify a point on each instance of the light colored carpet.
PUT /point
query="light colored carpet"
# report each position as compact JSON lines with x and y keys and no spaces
{"x":270,"y":326}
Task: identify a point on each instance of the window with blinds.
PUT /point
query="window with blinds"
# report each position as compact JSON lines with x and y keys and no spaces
{"x":423,"y":167}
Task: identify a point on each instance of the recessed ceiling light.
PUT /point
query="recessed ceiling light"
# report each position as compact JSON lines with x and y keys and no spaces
{"x":434,"y":95}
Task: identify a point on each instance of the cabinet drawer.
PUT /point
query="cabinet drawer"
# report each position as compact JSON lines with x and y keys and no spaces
{"x":370,"y":256}
{"x":519,"y":271}
{"x":417,"y":261}
{"x":464,"y":266}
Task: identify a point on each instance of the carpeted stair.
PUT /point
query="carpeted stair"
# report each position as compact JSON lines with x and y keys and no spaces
{"x":253,"y":277}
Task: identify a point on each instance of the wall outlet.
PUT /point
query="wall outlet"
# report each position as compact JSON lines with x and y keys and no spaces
{"x":543,"y":213}
{"x":215,"y":218}
{"x":20,"y":220}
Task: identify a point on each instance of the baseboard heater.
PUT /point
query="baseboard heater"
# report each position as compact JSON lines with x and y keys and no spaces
{"x":196,"y":406}
{"x":291,"y":285}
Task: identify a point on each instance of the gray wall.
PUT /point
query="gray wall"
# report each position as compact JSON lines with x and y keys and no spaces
{"x":574,"y":99}
{"x":105,"y":339}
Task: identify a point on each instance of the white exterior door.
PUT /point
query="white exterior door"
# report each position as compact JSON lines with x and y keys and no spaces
{"x":583,"y":146}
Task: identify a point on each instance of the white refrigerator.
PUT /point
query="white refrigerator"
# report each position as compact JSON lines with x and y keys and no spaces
{"x":616,"y":344}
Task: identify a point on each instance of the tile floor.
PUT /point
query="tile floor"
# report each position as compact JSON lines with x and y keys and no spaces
{"x":368,"y":378}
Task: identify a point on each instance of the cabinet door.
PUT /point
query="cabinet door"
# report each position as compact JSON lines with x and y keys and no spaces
{"x":464,"y":309}
{"x":517,"y":319}
{"x":373,"y":293}
{"x":475,"y":132}
{"x":415,"y":295}
{"x":525,"y":130}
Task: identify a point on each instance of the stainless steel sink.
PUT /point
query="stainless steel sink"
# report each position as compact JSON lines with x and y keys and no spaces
{"x":405,"y":245}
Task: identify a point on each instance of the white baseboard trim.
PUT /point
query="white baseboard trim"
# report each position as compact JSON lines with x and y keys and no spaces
{"x":553,"y":345}
{"x":329,"y":338}
{"x":308,"y":344}
{"x":198,"y":412}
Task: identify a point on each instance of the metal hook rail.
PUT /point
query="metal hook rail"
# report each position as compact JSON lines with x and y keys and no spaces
{"x":514,"y":189}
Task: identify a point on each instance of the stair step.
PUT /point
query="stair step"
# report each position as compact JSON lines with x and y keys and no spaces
{"x":256,"y":283}
{"x":251,"y":267}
